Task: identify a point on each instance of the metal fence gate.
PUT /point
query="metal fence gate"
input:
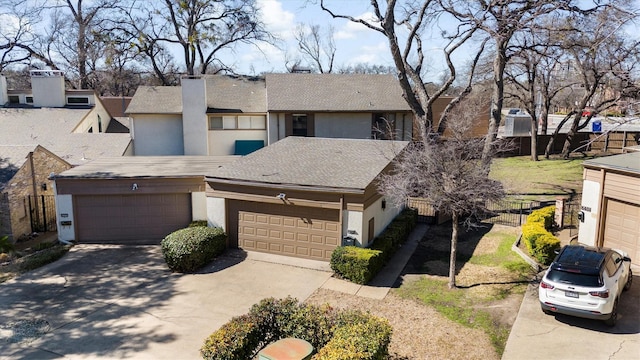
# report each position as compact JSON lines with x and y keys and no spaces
{"x":43,"y":213}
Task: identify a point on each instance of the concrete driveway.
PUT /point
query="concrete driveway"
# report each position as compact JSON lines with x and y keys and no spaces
{"x":122,"y":302}
{"x":535,"y":335}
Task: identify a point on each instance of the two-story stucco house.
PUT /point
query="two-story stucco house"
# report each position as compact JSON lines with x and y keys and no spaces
{"x":45,"y":130}
{"x":226,"y":115}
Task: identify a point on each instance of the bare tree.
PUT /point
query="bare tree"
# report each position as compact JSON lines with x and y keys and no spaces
{"x":502,"y":20}
{"x":412,"y":20}
{"x":604,"y":60}
{"x":317,"y":47}
{"x":201,"y":29}
{"x":448,"y":174}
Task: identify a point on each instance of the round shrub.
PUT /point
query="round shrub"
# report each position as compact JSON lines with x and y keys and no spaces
{"x":189,"y":249}
{"x":546,"y":247}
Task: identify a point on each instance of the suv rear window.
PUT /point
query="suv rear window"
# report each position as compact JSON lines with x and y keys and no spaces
{"x":573,"y":278}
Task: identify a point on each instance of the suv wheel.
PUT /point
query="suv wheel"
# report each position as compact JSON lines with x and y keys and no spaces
{"x":627,"y":286}
{"x":614,"y":315}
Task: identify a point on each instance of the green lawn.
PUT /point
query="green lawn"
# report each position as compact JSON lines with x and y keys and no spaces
{"x":539,"y":180}
{"x":486,"y":281}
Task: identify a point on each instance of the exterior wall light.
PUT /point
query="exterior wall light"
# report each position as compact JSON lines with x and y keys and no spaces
{"x":282,"y":196}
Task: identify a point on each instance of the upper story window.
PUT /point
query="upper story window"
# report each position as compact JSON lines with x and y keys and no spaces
{"x":77,"y":100}
{"x":238,"y":122}
{"x":300,"y":124}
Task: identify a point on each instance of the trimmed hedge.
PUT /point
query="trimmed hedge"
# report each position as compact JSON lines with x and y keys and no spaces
{"x":357,"y":264}
{"x":536,"y":234}
{"x":360,"y":265}
{"x":337,"y":335}
{"x":188,"y":249}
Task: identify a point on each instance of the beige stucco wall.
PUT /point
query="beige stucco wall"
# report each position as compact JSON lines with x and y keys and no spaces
{"x":194,"y":116}
{"x":157,"y":135}
{"x":382,"y":217}
{"x":223,"y":142}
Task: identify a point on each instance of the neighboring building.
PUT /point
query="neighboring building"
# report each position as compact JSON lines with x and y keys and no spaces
{"x":26,"y":192}
{"x":225,"y":115}
{"x":303,"y":197}
{"x":58,"y":128}
{"x":610,"y":212}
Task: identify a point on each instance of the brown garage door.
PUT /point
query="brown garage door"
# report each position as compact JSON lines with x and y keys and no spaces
{"x":305,"y":232}
{"x":142,"y":218}
{"x":622,"y":228}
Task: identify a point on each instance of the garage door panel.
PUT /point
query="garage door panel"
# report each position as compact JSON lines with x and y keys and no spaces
{"x":622,"y":228}
{"x":141,"y":218}
{"x":286,"y":230}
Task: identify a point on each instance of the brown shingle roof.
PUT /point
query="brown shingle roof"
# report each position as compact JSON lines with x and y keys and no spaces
{"x":147,"y":166}
{"x":52,"y":128}
{"x":334,"y":92}
{"x":238,"y":94}
{"x":314,"y":163}
{"x":156,"y":100}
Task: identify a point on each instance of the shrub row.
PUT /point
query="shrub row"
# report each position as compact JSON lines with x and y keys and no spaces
{"x":336,"y":335}
{"x":537,"y":237}
{"x":188,"y":249}
{"x":360,"y":265}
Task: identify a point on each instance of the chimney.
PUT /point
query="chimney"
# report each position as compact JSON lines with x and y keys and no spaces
{"x":47,"y":87}
{"x":4,"y":98}
{"x":194,"y":115}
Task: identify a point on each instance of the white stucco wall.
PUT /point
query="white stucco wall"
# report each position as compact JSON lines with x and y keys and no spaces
{"x":97,"y":115}
{"x":383,"y":217}
{"x":352,"y":220}
{"x":198,"y":206}
{"x":64,"y":212}
{"x":223,"y":142}
{"x":273,"y":128}
{"x":216,"y":212}
{"x":343,"y":125}
{"x":48,"y":89}
{"x":590,"y":206}
{"x":194,"y":116}
{"x":157,"y":135}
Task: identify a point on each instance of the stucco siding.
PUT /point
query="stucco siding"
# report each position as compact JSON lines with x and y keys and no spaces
{"x":223,"y":142}
{"x":194,"y":116}
{"x":158,"y":135}
{"x":591,"y":209}
{"x":352,"y":220}
{"x":343,"y":125}
{"x":198,"y":205}
{"x":383,"y":217}
{"x":64,"y":212}
{"x":216,"y":211}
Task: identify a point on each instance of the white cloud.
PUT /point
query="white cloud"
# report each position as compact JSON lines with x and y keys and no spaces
{"x":371,"y":54}
{"x":277,"y":20}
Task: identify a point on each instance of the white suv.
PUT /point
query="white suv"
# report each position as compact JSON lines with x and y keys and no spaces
{"x":586,"y":282}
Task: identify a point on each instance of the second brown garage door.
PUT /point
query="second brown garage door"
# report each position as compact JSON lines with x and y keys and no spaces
{"x":143,"y":218}
{"x":305,"y":232}
{"x":622,"y":228}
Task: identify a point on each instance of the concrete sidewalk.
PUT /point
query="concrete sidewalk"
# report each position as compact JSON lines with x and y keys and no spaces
{"x":379,"y":287}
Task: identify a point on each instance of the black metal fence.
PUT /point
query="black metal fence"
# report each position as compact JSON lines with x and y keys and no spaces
{"x":505,"y":212}
{"x":43,"y":213}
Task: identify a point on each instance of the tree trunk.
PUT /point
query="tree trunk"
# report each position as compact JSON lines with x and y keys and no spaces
{"x":534,"y":138}
{"x":499,"y":63}
{"x":454,"y":245}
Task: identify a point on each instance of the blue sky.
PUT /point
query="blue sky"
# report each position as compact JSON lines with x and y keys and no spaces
{"x":354,"y":43}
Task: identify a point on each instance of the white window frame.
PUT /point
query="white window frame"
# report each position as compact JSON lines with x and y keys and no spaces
{"x":239,"y":122}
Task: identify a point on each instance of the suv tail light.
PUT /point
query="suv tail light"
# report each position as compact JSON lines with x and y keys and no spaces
{"x":544,"y":285}
{"x":601,"y":294}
